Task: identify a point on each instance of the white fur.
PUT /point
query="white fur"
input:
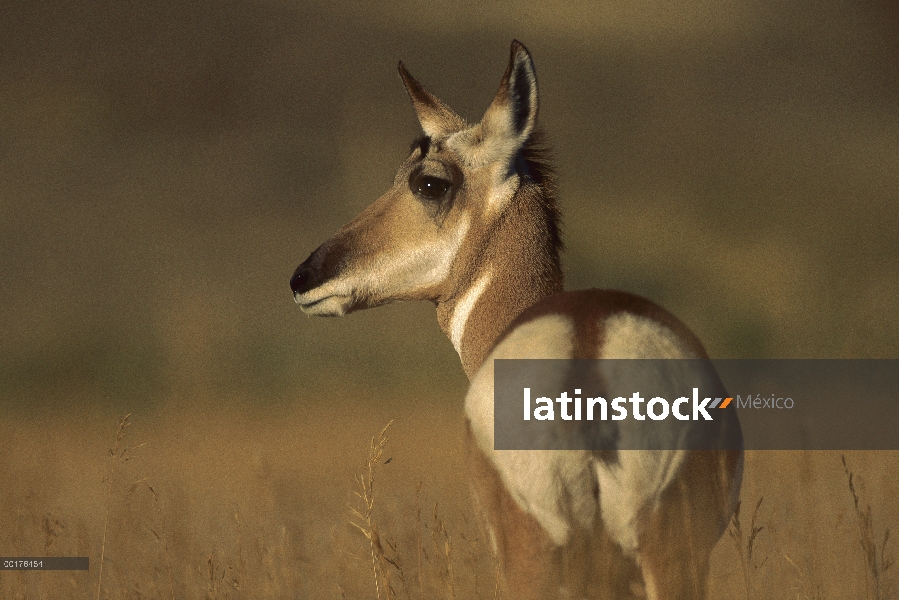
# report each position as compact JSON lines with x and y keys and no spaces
{"x":463,"y":310}
{"x":554,"y":486}
{"x":479,"y":146}
{"x":401,"y":269}
{"x":631,"y":488}
{"x":631,"y":336}
{"x":415,"y":268}
{"x":502,"y":192}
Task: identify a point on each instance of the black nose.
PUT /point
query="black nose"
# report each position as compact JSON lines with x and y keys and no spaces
{"x":301,"y":280}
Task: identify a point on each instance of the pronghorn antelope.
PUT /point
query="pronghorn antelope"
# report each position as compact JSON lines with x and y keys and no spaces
{"x":471,"y":224}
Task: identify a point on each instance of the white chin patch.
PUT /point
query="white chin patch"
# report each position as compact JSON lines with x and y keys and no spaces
{"x":330,"y":306}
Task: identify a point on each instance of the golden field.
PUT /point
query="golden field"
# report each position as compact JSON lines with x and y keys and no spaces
{"x":164,"y":167}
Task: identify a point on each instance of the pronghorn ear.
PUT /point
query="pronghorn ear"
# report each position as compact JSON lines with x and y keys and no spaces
{"x":513,"y":112}
{"x":436,"y":118}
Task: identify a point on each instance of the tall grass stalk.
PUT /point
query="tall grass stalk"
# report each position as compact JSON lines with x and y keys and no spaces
{"x":365,"y":523}
{"x":877,"y":561}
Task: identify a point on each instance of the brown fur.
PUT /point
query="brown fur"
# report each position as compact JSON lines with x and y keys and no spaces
{"x":678,"y":538}
{"x":522,"y":251}
{"x":591,"y":565}
{"x":518,"y":241}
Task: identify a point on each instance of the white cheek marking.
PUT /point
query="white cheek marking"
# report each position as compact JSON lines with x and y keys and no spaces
{"x":401,"y":270}
{"x":397,"y":270}
{"x":463,"y":310}
{"x":415,"y":268}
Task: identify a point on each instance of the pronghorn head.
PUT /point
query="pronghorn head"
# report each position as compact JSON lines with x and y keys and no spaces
{"x":432,"y":234}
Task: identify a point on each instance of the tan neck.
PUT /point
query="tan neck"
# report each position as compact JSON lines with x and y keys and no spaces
{"x":519,"y":267}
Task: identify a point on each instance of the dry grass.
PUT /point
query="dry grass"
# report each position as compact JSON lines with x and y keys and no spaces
{"x":117,"y":455}
{"x":877,"y":561}
{"x":745,"y":543}
{"x":433,"y":573}
{"x":166,"y":167}
{"x":366,"y":497}
{"x":223,"y":508}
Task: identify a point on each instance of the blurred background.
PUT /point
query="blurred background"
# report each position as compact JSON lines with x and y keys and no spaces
{"x":165,"y":166}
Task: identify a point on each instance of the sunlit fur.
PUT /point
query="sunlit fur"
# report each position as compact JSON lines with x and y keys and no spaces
{"x":563,"y":524}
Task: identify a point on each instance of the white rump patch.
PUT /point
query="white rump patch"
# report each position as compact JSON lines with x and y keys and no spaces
{"x":555,"y":486}
{"x":629,"y":490}
{"x":463,"y":310}
{"x":631,"y":336}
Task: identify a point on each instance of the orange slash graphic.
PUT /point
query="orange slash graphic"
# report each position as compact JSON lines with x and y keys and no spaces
{"x":725,"y":403}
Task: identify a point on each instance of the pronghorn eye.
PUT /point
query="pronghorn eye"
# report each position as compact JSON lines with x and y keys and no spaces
{"x":430,"y":188}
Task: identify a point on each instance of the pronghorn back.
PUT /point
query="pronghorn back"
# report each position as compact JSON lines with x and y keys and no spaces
{"x":471,"y":224}
{"x":569,"y":492}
